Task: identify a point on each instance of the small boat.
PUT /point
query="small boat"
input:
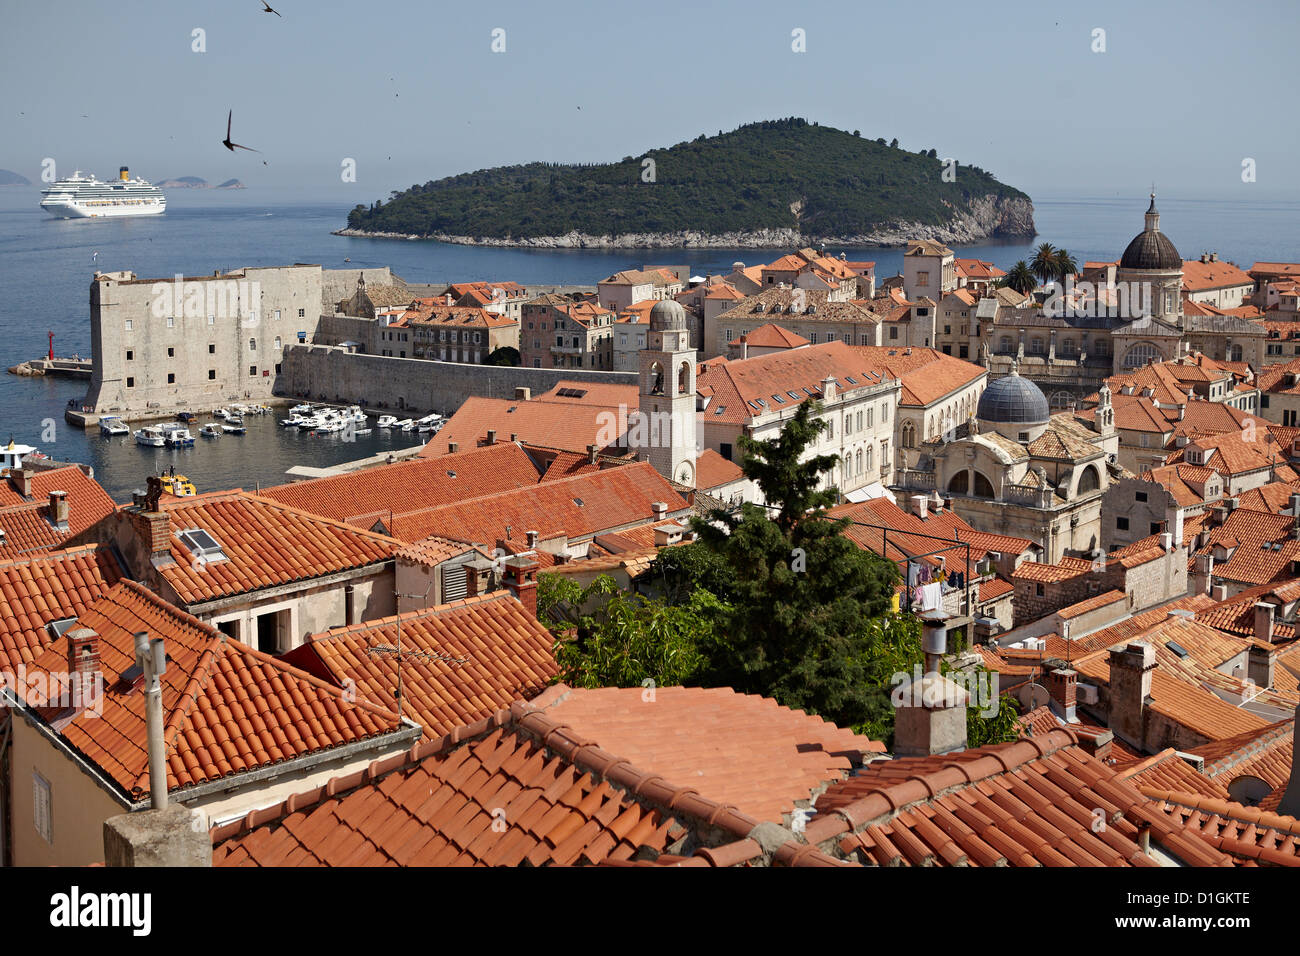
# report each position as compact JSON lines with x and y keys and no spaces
{"x":387,"y":421}
{"x":151,"y":436}
{"x":428,"y":423}
{"x":185,"y":417}
{"x":111,"y":425}
{"x":234,"y":429}
{"x":235,"y":420}
{"x":364,"y":430}
{"x":407,"y":426}
{"x":178,"y":485}
{"x":210,"y":430}
{"x":304,"y":409}
{"x":12,"y":455}
{"x":177,"y":436}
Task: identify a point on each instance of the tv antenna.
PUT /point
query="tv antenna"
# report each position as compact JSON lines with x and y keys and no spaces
{"x":385,"y":650}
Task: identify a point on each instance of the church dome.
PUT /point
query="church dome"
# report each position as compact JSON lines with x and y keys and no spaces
{"x":1151,"y":248}
{"x":1013,"y":400}
{"x":668,"y":316}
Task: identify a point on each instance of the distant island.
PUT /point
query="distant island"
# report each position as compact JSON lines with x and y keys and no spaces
{"x":10,"y":178}
{"x":777,"y":183}
{"x":195,"y":182}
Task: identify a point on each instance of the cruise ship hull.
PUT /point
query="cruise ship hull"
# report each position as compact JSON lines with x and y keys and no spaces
{"x":109,"y":211}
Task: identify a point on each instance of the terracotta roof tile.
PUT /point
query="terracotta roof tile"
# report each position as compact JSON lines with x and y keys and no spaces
{"x":26,"y":523}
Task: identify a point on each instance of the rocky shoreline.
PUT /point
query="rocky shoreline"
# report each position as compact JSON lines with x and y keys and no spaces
{"x":989,"y":217}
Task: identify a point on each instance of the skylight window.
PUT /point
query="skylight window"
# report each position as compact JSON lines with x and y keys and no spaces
{"x":851,"y":380}
{"x":720,"y":409}
{"x":578,"y":502}
{"x":202,"y":545}
{"x":60,"y":627}
{"x":1176,"y":648}
{"x":778,"y":399}
{"x":795,"y":395}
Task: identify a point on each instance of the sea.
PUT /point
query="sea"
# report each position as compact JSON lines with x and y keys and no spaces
{"x":46,"y":266}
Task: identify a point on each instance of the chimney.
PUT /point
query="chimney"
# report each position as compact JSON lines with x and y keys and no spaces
{"x":492,"y":436}
{"x":1290,"y":805}
{"x":521,"y":579}
{"x":1061,"y":685}
{"x":1259,"y":666}
{"x":351,"y":607}
{"x":920,"y":506}
{"x":659,"y":509}
{"x":171,"y":837}
{"x":1219,"y":592}
{"x":21,"y":479}
{"x":152,"y":527}
{"x":1130,"y":689}
{"x":1264,"y":623}
{"x":452,"y":447}
{"x":591,"y":454}
{"x":531,"y":537}
{"x":514,"y":436}
{"x":931,"y":715}
{"x":477,"y":576}
{"x":1166,"y":541}
{"x":83,"y":656}
{"x":59,"y":509}
{"x":523,"y":394}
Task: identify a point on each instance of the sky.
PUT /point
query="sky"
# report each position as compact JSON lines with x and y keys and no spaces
{"x":1181,"y":95}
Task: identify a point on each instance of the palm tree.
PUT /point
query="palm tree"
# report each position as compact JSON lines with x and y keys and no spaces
{"x":1021,"y":278}
{"x":1065,"y":265}
{"x":1044,"y":263}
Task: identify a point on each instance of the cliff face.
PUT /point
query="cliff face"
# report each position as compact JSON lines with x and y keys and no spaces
{"x":989,"y":217}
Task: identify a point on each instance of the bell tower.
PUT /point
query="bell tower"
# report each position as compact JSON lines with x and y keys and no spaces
{"x":667,"y":426}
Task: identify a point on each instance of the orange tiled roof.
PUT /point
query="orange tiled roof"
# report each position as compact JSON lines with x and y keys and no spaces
{"x":1201,"y":276}
{"x":583,"y":505}
{"x":1265,"y":754}
{"x":555,"y":423}
{"x":43,"y":588}
{"x":1064,"y":570}
{"x":408,"y":485}
{"x":265,"y":543}
{"x":1168,"y":771}
{"x":927,"y":374}
{"x":1248,"y":834}
{"x":227,"y":708}
{"x":994,"y":588}
{"x":26,"y":522}
{"x":771,"y":336}
{"x":739,"y":749}
{"x":1091,"y":604}
{"x":1027,"y":803}
{"x":486,"y":652}
{"x":712,"y":470}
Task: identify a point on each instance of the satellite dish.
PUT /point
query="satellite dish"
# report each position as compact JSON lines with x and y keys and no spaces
{"x":1032,"y":696}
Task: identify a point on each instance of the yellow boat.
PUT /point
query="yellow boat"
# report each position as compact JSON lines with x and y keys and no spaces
{"x":178,"y":485}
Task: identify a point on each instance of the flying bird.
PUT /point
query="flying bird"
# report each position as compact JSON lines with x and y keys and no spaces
{"x":266,"y":8}
{"x":234,"y":146}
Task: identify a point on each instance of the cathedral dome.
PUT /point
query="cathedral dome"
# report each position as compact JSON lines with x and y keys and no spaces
{"x":1151,"y":248}
{"x":1013,"y":400}
{"x":668,"y":316}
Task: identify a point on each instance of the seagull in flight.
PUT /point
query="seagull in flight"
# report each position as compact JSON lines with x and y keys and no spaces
{"x":266,"y":8}
{"x":234,"y":146}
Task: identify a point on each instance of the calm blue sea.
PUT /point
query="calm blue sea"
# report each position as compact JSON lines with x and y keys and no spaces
{"x":46,"y":265}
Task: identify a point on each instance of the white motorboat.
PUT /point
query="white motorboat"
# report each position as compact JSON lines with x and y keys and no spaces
{"x":178,"y":436}
{"x":111,"y":425}
{"x":210,"y":430}
{"x":407,"y":426}
{"x":12,"y":455}
{"x":152,"y":436}
{"x":387,"y":421}
{"x":304,"y":409}
{"x":234,"y":429}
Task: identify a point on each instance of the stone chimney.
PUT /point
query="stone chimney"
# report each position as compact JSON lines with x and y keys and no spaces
{"x":521,"y":579}
{"x":531,"y":537}
{"x":21,"y":479}
{"x":492,"y":436}
{"x":1259,"y":666}
{"x":452,"y":447}
{"x":170,"y":837}
{"x":920,"y":506}
{"x":151,"y":526}
{"x":1166,"y":542}
{"x":1061,"y":685}
{"x":1264,"y":622}
{"x":83,"y":655}
{"x":1131,"y":667}
{"x":828,"y":388}
{"x":59,"y":509}
{"x":478,"y":576}
{"x":591,"y":454}
{"x":660,"y":510}
{"x":930,"y":715}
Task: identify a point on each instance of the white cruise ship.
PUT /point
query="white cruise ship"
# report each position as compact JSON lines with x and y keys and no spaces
{"x":83,"y":197}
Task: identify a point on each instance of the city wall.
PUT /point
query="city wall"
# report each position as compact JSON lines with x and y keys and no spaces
{"x":328,"y":373}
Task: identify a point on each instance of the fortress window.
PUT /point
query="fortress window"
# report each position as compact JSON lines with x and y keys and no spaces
{"x":277,"y":343}
{"x":129,"y":326}
{"x":171,"y":353}
{"x":302,"y":313}
{"x":212,"y":374}
{"x":129,"y":355}
{"x":212,"y":348}
{"x":171,"y":378}
{"x":130,"y":382}
{"x":252,"y":345}
{"x":171,"y":321}
{"x":252,"y":370}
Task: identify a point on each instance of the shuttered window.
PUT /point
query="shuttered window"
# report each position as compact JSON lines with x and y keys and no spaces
{"x":453,"y":583}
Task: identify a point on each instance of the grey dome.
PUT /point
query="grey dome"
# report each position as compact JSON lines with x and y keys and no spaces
{"x":1151,"y":248}
{"x":668,"y":316}
{"x":1013,"y":400}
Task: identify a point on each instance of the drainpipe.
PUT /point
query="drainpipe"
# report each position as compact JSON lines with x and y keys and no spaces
{"x":153,"y":661}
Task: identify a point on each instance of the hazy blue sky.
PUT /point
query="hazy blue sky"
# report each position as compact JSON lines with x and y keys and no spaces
{"x":1182,"y":94}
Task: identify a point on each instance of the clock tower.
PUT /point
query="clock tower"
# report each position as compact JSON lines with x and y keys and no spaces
{"x":667,"y":395}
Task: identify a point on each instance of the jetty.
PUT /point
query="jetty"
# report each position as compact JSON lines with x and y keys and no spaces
{"x":70,"y":367}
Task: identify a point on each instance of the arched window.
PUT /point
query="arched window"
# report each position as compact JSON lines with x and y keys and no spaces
{"x":1142,"y":354}
{"x":868,"y":459}
{"x":683,"y":377}
{"x":252,"y":345}
{"x":1062,"y":399}
{"x":656,"y":382}
{"x":983,"y":487}
{"x":960,"y":483}
{"x":909,"y":435}
{"x":1088,"y":480}
{"x":859,"y":459}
